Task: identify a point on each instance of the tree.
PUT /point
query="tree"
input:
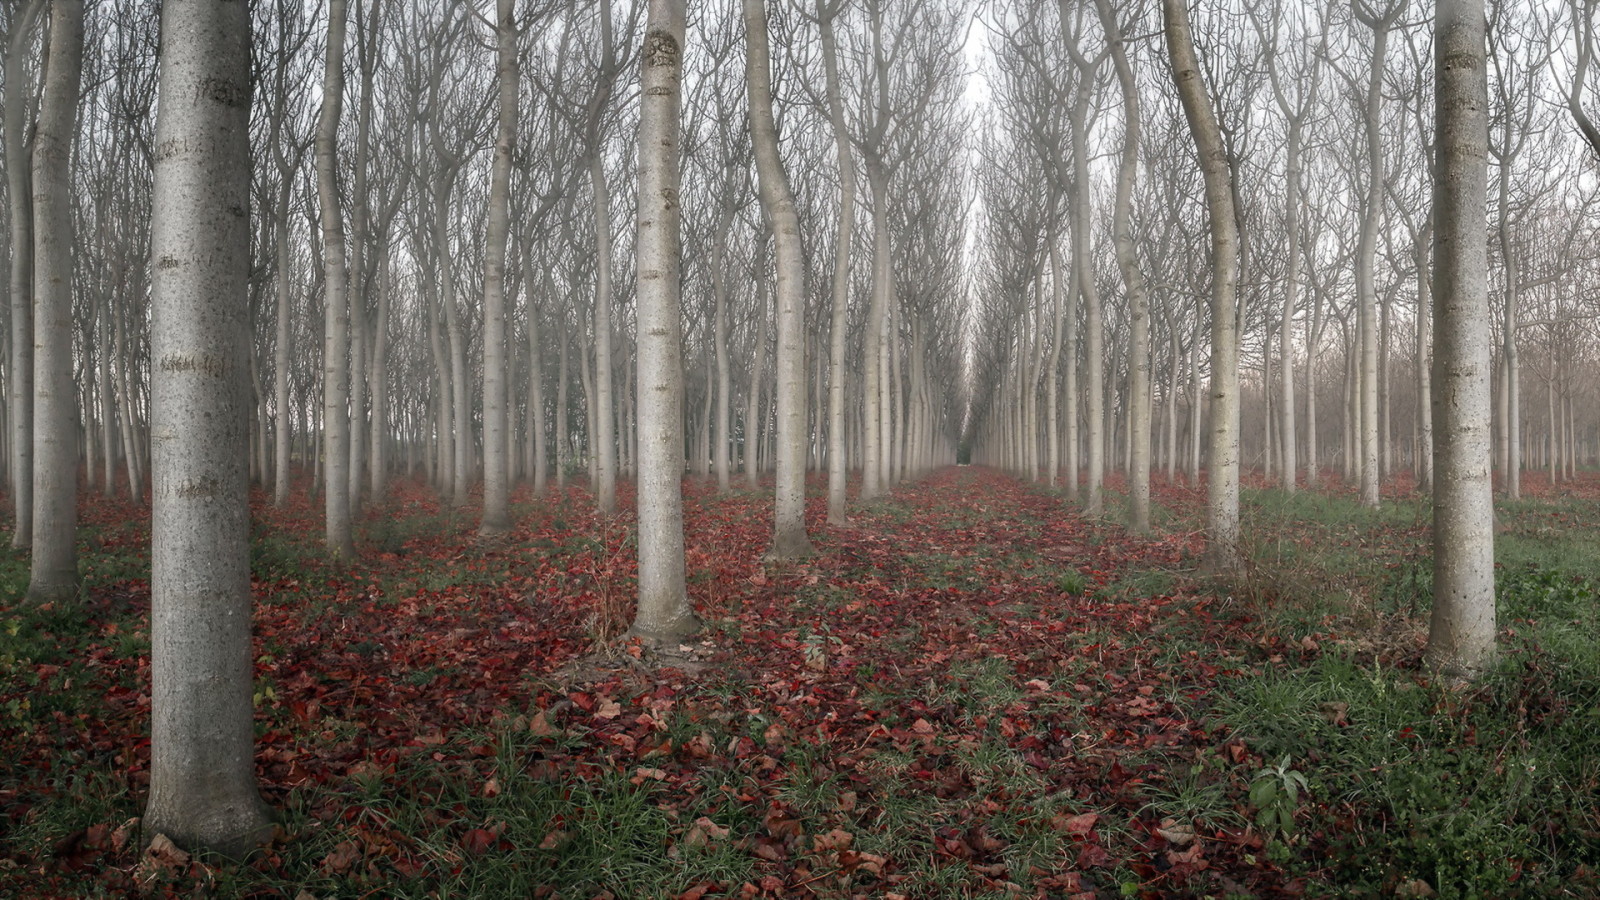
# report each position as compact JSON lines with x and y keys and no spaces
{"x":1461,"y":632}
{"x":336,"y":310}
{"x":202,"y":771}
{"x":19,"y":28}
{"x":496,"y":452}
{"x":1381,"y":21}
{"x":789,"y":539}
{"x":54,"y":575}
{"x":1222,"y":487}
{"x":1132,"y":277}
{"x":843,"y":237}
{"x":664,"y":615}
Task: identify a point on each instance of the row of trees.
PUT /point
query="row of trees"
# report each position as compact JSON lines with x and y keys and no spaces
{"x":435,"y":283}
{"x":1326,"y":127}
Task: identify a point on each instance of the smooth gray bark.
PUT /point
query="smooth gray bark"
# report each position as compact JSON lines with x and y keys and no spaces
{"x":664,"y":615}
{"x":1461,"y":633}
{"x":1222,"y":484}
{"x":789,"y":519}
{"x":20,"y":201}
{"x":54,"y":575}
{"x":838,"y":461}
{"x":1132,"y":278}
{"x":202,"y":771}
{"x":336,"y":312}
{"x":496,"y":453}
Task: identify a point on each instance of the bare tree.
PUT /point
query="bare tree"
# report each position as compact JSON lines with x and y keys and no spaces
{"x":496,"y":452}
{"x":336,"y":309}
{"x":789,"y":539}
{"x":664,"y":615}
{"x":1222,"y":487}
{"x":23,"y":15}
{"x":1461,"y":633}
{"x":1132,"y":277}
{"x":54,"y":575}
{"x":202,"y":766}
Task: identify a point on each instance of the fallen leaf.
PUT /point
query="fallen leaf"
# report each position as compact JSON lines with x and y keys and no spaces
{"x":1176,"y":832}
{"x":342,"y":858}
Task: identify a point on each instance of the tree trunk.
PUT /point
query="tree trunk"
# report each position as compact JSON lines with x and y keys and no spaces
{"x":20,"y":195}
{"x":459,"y":431}
{"x":1222,"y":485}
{"x":280,"y":351}
{"x":1094,"y":332}
{"x":54,"y":574}
{"x":496,"y":461}
{"x":789,"y":536}
{"x":1461,"y":632}
{"x":335,"y":363}
{"x":1366,"y":253}
{"x":664,"y":616}
{"x":1128,"y":261}
{"x":202,"y":767}
{"x":844,"y":237}
{"x":722,"y":433}
{"x":603,"y":444}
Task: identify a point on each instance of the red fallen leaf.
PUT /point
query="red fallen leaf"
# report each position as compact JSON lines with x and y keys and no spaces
{"x":704,"y":832}
{"x":119,"y":838}
{"x":768,"y":850}
{"x":1092,"y":856}
{"x":491,"y":788}
{"x":478,"y":841}
{"x":1081,"y":825}
{"x":541,"y":727}
{"x":837,"y":839}
{"x":922,"y":727}
{"x":698,"y":891}
{"x":553,"y":840}
{"x":342,"y":859}
{"x":641,"y":774}
{"x":700,"y":746}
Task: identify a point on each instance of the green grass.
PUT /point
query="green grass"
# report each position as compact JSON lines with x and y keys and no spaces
{"x":1487,"y":792}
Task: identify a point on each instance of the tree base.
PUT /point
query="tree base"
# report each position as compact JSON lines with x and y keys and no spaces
{"x":233,"y":831}
{"x":666,"y":634}
{"x":788,"y":547}
{"x":51,"y":592}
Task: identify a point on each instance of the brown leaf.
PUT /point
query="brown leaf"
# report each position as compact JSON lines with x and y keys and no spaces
{"x":609,"y":709}
{"x":119,"y":838}
{"x":1334,"y":712}
{"x":704,"y":832}
{"x":541,"y":727}
{"x":1176,"y":832}
{"x":165,"y":854}
{"x":478,"y":841}
{"x":554,"y":840}
{"x":343,"y":858}
{"x":1081,"y":825}
{"x":837,"y":839}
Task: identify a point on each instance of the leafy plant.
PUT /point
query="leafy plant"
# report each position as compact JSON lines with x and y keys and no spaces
{"x":1275,"y":795}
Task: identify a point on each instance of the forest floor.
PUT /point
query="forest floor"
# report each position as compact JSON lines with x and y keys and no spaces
{"x":971,"y":691}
